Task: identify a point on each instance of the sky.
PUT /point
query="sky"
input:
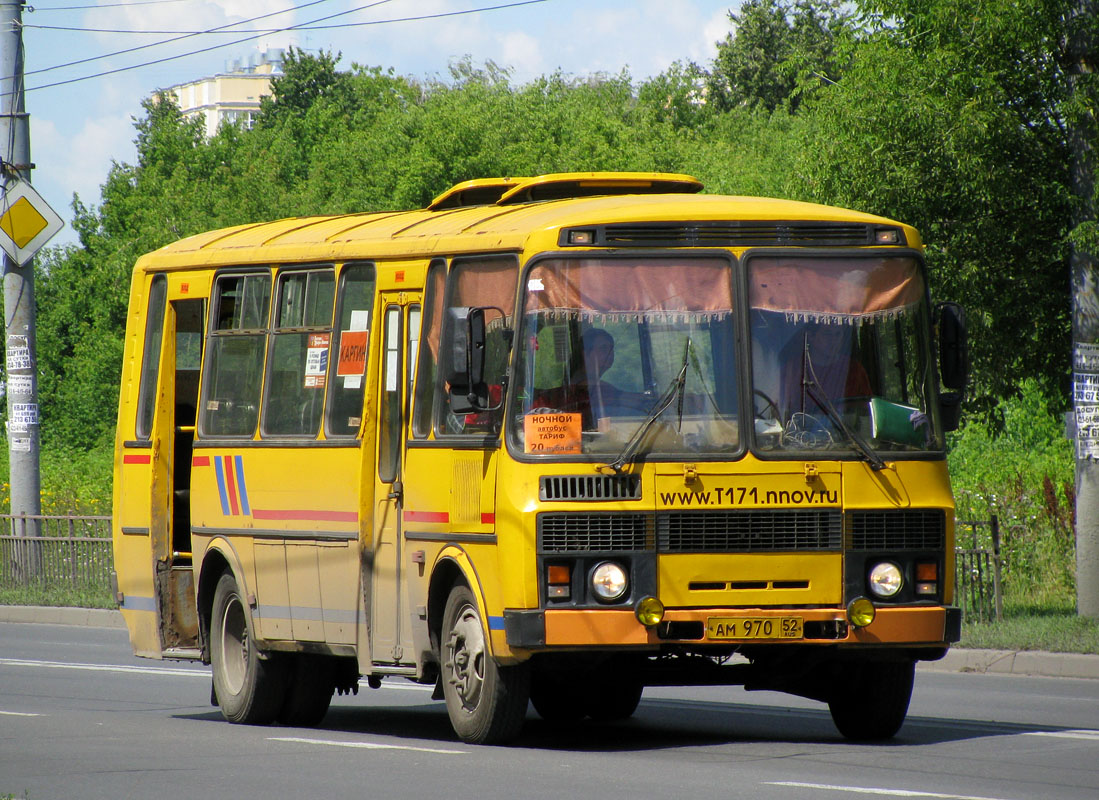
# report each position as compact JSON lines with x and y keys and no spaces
{"x":84,"y":123}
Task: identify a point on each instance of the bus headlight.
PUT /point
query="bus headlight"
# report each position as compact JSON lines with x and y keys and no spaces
{"x":885,"y":579}
{"x":609,"y":581}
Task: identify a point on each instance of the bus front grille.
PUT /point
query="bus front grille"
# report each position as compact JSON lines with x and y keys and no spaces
{"x":897,"y":529}
{"x":749,"y":531}
{"x":585,"y":533}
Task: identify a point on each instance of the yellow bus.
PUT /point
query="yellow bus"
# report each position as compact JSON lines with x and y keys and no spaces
{"x":546,"y":442}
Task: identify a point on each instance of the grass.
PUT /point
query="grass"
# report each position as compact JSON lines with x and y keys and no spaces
{"x":64,"y":596}
{"x":1054,"y":627}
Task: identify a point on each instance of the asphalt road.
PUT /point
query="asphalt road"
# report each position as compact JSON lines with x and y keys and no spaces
{"x":81,"y":718}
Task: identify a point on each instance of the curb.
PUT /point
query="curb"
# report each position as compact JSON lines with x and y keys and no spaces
{"x":55,"y":615}
{"x":1016,"y":662}
{"x":994,"y":662}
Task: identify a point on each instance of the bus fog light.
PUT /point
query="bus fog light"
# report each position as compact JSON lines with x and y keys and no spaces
{"x":649,"y":611}
{"x":861,"y":612}
{"x":609,"y":581}
{"x":885,"y":579}
{"x":927,"y":588}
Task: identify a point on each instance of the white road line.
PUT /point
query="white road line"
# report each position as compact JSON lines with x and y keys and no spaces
{"x":365,"y":745}
{"x":188,"y":673}
{"x":878,"y":791}
{"x":1077,"y":734}
{"x":17,"y":714}
{"x":24,"y":662}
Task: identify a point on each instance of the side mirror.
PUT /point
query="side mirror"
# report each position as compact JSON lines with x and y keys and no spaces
{"x":953,"y":346}
{"x":953,"y":361}
{"x":465,"y":359}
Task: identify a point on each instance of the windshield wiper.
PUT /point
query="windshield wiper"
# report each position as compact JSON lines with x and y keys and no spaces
{"x":674,"y":390}
{"x":820,"y":397}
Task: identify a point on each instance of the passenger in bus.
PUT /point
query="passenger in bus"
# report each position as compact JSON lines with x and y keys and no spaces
{"x":822,"y":353}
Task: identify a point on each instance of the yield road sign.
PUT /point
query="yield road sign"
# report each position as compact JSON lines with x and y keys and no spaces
{"x":26,"y":221}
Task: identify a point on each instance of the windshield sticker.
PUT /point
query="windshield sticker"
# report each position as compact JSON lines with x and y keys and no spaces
{"x":536,"y":285}
{"x":352,"y":360}
{"x":551,"y":434}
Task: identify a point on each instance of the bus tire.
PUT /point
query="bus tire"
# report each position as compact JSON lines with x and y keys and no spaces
{"x":249,"y":689}
{"x":615,"y":700}
{"x":558,"y":699}
{"x":874,"y":702}
{"x":486,"y":702}
{"x":311,"y":683}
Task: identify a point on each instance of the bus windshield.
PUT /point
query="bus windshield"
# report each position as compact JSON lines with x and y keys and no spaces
{"x":840,"y":357}
{"x":616,"y":349}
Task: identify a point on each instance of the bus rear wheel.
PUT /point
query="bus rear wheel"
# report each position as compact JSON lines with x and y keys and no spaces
{"x":311,"y":683}
{"x":486,"y":702}
{"x":249,"y":689}
{"x":873,"y":703}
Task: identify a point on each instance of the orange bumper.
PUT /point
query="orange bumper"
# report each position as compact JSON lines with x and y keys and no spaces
{"x":616,"y":628}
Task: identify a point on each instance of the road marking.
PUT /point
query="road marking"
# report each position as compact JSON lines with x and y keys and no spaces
{"x":871,"y":790}
{"x":1077,"y":734}
{"x":188,"y":673}
{"x":17,"y":714}
{"x":366,"y":745}
{"x":23,"y":662}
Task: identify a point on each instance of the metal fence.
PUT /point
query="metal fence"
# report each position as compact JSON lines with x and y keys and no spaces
{"x":75,"y":552}
{"x":48,"y":551}
{"x":977,"y":588}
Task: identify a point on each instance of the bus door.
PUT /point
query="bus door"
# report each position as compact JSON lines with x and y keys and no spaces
{"x":173,"y":437}
{"x":390,"y":632}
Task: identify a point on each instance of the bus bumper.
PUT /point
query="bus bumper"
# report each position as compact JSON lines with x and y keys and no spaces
{"x":932,"y":626}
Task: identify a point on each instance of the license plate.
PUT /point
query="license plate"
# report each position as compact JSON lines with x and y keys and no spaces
{"x":754,"y":628}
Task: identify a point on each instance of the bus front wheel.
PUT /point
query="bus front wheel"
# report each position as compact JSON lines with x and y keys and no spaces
{"x":873,"y":703}
{"x":486,"y":702}
{"x":249,"y":689}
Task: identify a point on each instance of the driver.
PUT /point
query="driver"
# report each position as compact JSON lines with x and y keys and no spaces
{"x":586,"y":391}
{"x":830,"y":364}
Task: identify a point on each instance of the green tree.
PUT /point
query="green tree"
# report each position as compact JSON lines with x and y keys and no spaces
{"x":777,"y":52}
{"x":948,"y":116}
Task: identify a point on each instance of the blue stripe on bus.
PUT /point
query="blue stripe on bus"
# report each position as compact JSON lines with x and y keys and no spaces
{"x":495,"y":623}
{"x":244,"y":507}
{"x":220,"y":471}
{"x":134,"y":603}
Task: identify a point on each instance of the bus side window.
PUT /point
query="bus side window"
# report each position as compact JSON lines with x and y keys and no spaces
{"x":429,"y":352}
{"x":350,"y":345}
{"x":234,"y":367}
{"x":483,"y":281}
{"x":300,"y":346}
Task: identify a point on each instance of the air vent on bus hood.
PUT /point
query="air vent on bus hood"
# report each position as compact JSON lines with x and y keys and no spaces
{"x":560,"y":186}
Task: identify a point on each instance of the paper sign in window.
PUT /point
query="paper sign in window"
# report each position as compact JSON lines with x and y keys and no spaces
{"x":546,"y":434}
{"x":316,"y":360}
{"x":352,"y":359}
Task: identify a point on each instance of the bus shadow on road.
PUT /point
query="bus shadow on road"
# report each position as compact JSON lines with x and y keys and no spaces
{"x":657,"y":725}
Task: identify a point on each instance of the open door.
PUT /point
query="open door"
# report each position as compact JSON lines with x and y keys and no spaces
{"x":391,"y":635}
{"x":173,"y":438}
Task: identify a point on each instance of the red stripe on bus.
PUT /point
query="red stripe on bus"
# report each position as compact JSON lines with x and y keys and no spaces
{"x":304,"y":514}
{"x":427,"y":516}
{"x":200,"y":461}
{"x":230,"y":485}
{"x":137,"y":459}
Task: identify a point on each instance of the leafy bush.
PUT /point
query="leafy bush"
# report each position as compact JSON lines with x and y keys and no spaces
{"x":74,"y":481}
{"x":1019,"y":466}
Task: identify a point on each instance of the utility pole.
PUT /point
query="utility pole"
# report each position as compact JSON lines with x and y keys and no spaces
{"x":19,"y":321}
{"x":1083,"y":127}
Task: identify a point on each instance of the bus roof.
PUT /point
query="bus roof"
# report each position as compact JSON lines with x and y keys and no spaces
{"x":509,"y":223}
